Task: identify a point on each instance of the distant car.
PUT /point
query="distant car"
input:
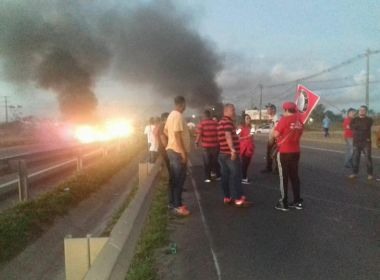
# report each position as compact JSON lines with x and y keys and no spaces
{"x":263,"y":129}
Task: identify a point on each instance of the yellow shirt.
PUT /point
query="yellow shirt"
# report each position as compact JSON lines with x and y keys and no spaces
{"x":176,"y":123}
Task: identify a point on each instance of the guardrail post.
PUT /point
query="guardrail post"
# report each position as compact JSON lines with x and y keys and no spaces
{"x":22,"y":181}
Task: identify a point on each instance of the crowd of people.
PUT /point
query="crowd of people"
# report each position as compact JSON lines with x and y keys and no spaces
{"x":227,"y":150}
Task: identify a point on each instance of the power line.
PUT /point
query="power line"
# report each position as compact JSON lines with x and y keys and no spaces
{"x":342,"y":64}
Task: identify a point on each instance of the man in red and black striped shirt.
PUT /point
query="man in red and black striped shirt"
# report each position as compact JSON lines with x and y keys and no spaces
{"x":229,"y":158}
{"x":207,"y":135}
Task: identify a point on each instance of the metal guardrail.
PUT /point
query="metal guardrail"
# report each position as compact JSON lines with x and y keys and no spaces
{"x":76,"y":155}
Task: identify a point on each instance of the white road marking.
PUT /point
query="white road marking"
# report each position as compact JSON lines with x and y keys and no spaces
{"x":206,"y":227}
{"x":329,"y":150}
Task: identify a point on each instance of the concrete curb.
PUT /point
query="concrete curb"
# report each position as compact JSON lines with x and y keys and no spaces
{"x":116,"y":256}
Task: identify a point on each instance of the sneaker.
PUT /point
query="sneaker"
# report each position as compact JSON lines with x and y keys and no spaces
{"x":296,"y":205}
{"x":245,"y":181}
{"x":227,"y":200}
{"x":207,"y":181}
{"x":181,"y":211}
{"x":242,"y":202}
{"x":370,"y":177}
{"x":218,"y":178}
{"x":281,"y":206}
{"x":352,"y":176}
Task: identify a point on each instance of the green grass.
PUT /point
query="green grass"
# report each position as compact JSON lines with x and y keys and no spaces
{"x":24,"y":223}
{"x":154,"y":236}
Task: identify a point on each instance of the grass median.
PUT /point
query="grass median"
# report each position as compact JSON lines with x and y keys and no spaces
{"x":155,"y":235}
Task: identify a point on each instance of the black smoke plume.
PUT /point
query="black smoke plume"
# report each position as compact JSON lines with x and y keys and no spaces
{"x":65,"y":46}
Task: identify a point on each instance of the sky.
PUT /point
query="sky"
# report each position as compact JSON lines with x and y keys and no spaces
{"x":259,"y":42}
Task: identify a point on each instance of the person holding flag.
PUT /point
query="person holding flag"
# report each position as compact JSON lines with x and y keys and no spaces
{"x":288,"y":133}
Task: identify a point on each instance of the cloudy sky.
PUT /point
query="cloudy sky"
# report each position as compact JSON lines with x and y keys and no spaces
{"x":134,"y":57}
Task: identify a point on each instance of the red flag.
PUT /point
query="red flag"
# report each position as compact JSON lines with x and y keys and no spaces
{"x":306,"y":101}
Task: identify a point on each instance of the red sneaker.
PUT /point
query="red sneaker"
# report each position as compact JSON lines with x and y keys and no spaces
{"x":227,"y":200}
{"x":242,"y":202}
{"x":181,"y":211}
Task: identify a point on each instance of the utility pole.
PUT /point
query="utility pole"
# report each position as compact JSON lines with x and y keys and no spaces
{"x":6,"y":109}
{"x":261,"y":100}
{"x":367,"y":80}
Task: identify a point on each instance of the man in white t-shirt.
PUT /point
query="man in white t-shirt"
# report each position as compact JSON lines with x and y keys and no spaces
{"x":178,"y":149}
{"x":271,"y":144}
{"x":148,"y":131}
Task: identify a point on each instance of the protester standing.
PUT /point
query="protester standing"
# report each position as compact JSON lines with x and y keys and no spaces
{"x":148,"y":131}
{"x":247,"y":146}
{"x":326,"y":122}
{"x":207,"y":137}
{"x":288,"y":133}
{"x":229,"y":159}
{"x":271,"y":144}
{"x":348,"y":137}
{"x":163,"y":139}
{"x":361,"y":127}
{"x":178,"y":149}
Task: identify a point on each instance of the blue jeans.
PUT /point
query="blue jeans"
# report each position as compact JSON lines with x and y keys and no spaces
{"x":349,"y":152}
{"x":178,"y":176}
{"x":210,"y":161}
{"x":367,"y":150}
{"x":231,"y":174}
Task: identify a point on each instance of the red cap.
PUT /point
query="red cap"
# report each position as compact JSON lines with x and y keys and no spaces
{"x":289,"y":106}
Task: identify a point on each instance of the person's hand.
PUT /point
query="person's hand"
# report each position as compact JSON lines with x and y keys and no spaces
{"x":233,"y":155}
{"x":184,"y":158}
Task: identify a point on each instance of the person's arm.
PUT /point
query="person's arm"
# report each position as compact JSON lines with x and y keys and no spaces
{"x":230,"y":144}
{"x":181,"y":146}
{"x":198,"y":138}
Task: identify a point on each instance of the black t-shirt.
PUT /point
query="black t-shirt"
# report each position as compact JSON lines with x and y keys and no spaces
{"x":361,"y":128}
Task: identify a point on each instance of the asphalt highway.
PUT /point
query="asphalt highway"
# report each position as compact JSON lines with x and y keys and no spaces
{"x":336,"y":236}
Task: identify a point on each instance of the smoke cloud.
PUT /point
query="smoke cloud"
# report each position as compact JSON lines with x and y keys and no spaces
{"x":65,"y":46}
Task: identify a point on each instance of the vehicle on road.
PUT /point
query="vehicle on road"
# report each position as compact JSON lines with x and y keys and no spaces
{"x":263,"y":129}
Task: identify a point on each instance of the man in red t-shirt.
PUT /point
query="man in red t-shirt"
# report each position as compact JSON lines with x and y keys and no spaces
{"x":288,"y":133}
{"x":207,"y":136}
{"x":348,"y":137}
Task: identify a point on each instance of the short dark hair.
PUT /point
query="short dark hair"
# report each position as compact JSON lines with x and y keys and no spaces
{"x":364,"y":107}
{"x":350,"y":110}
{"x":207,"y":113}
{"x":179,"y":100}
{"x":164,"y":116}
{"x":271,"y":106}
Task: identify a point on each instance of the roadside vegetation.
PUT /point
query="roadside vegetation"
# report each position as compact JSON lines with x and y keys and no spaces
{"x":24,"y":223}
{"x":155,"y":235}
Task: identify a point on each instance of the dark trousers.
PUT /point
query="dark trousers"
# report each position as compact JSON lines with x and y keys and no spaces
{"x":288,"y":170}
{"x":245,"y":161}
{"x":231,"y":174}
{"x":326,"y":131}
{"x":152,"y":156}
{"x":178,"y":176}
{"x":367,"y":151}
{"x":210,"y":161}
{"x":270,"y":146}
{"x":165,"y":157}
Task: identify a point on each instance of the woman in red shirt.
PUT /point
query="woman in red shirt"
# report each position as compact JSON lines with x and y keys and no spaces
{"x":348,"y":137}
{"x":247,"y":146}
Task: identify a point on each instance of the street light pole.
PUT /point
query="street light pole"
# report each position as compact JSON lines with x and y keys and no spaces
{"x":261,"y":100}
{"x":367,"y":80}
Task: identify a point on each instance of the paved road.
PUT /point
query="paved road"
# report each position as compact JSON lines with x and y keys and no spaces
{"x":336,"y":236}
